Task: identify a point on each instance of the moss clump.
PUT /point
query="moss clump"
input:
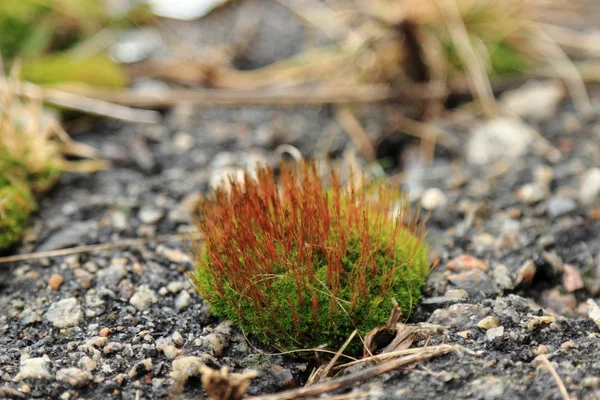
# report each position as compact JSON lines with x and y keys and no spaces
{"x":300,"y":264}
{"x":33,"y":154}
{"x":15,"y":207}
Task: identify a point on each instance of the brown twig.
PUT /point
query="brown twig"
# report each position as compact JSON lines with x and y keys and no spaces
{"x":348,"y":121}
{"x":99,"y":247}
{"x":367,"y":373}
{"x":565,"y":69}
{"x":363,"y":94}
{"x":476,"y":74}
{"x":84,"y":104}
{"x":557,"y":379}
{"x":322,"y":373}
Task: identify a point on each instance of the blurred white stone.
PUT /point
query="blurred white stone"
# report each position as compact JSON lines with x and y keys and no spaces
{"x":534,"y":100}
{"x":499,"y":139}
{"x":433,"y":198}
{"x":590,"y":186}
{"x":136,"y":45}
{"x":184,"y":9}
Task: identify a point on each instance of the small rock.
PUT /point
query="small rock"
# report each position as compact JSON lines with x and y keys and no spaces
{"x":34,"y":368}
{"x":441,"y":301}
{"x":84,"y":278}
{"x":96,"y":341}
{"x":502,"y":277}
{"x":174,"y":255}
{"x":593,"y":312}
{"x":143,"y":298}
{"x":283,"y":376}
{"x":463,"y":316}
{"x":177,"y":286}
{"x":475,"y":282}
{"x":183,"y":142}
{"x":141,"y":367}
{"x":178,"y":339}
{"x":111,"y":276}
{"x":55,"y":281}
{"x":590,"y":186}
{"x":494,"y":333}
{"x":64,"y":313}
{"x":543,"y":176}
{"x":182,"y":301}
{"x":555,"y":262}
{"x":537,"y":321}
{"x":466,"y":262}
{"x":489,"y":322}
{"x":498,"y":139}
{"x":541,"y":349}
{"x":511,"y":306}
{"x":571,"y":278}
{"x":531,"y":193}
{"x":87,"y":363}
{"x":74,"y":376}
{"x":464,"y":334}
{"x":150,"y":215}
{"x":457,"y":293}
{"x":591,"y":382}
{"x":185,"y":368}
{"x":170,"y":351}
{"x":141,"y":154}
{"x":28,"y":316}
{"x":68,"y":236}
{"x":534,"y":100}
{"x":216,"y":342}
{"x":125,"y":289}
{"x":433,"y":198}
{"x":526,"y":273}
{"x":112,"y":347}
{"x":559,"y":206}
{"x":104,"y":332}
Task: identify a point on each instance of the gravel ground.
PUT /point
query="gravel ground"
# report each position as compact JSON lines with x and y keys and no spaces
{"x":514,"y":232}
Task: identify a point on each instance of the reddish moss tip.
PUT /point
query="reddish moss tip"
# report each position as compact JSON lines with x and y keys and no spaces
{"x":302,"y":264}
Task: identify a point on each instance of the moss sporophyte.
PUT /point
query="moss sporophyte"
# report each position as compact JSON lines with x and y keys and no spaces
{"x":306,"y":261}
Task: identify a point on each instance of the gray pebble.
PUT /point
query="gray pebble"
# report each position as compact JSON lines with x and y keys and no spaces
{"x":558,"y":206}
{"x":74,"y":376}
{"x":183,"y":300}
{"x":64,"y":313}
{"x":143,"y":298}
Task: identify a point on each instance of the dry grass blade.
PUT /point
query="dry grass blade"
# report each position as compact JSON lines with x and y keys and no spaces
{"x":561,"y":386}
{"x":98,"y":247}
{"x":322,"y":373}
{"x":221,"y":385}
{"x":361,"y":94}
{"x":476,"y":74}
{"x":365,"y":374}
{"x":84,"y":104}
{"x":346,"y":118}
{"x":565,"y":69}
{"x":393,"y":354}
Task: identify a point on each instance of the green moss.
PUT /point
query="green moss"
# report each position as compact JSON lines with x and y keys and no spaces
{"x":278,"y":329}
{"x":15,"y":208}
{"x":98,"y":70}
{"x":296,"y":309}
